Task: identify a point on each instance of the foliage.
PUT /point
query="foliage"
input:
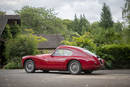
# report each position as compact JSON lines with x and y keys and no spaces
{"x":2,"y":12}
{"x":80,"y":25}
{"x":68,"y":24}
{"x":6,"y":34}
{"x":76,"y":24}
{"x":109,"y":36}
{"x":21,"y":45}
{"x":30,"y":32}
{"x":106,"y":18}
{"x":126,"y":11}
{"x":125,"y":36}
{"x":83,"y":25}
{"x":117,"y":56}
{"x":11,"y":31}
{"x":68,"y":28}
{"x":83,"y":41}
{"x":15,"y":30}
{"x":15,"y":64}
{"x":118,"y":27}
{"x":41,"y":20}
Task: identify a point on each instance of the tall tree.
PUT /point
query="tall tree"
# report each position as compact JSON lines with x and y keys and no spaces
{"x":126,"y":16}
{"x":83,"y":24}
{"x":41,"y":20}
{"x":106,"y":18}
{"x":126,"y":11}
{"x":76,"y":24}
{"x":68,"y":24}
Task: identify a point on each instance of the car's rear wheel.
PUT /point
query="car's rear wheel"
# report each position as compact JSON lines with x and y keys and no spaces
{"x":88,"y":71}
{"x":29,"y":66}
{"x":74,"y":67}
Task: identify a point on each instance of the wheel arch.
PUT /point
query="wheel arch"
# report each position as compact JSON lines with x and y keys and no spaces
{"x":26,"y":60}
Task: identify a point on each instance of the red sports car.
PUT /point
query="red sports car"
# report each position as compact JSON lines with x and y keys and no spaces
{"x":68,"y":58}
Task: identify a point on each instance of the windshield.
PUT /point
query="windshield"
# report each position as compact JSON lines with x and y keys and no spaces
{"x":87,"y":51}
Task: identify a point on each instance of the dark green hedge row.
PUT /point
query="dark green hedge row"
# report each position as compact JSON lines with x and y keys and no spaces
{"x":116,"y":56}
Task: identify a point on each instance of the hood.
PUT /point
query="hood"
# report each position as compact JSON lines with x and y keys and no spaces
{"x":38,"y":56}
{"x":43,"y":55}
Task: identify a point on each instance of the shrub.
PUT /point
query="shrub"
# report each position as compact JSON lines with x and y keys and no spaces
{"x":16,"y":64}
{"x":116,"y":56}
{"x":20,"y":46}
{"x":83,"y":41}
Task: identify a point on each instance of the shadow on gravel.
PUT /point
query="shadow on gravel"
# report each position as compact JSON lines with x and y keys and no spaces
{"x":67,"y":73}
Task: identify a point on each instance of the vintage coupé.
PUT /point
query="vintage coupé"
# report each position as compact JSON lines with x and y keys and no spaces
{"x":67,"y":58}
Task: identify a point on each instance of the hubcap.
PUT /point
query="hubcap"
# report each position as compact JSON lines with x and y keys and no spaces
{"x":74,"y":67}
{"x":29,"y":66}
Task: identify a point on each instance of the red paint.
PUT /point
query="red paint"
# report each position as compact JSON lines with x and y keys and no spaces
{"x":51,"y":62}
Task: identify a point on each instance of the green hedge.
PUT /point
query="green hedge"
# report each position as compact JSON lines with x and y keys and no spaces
{"x":116,"y":56}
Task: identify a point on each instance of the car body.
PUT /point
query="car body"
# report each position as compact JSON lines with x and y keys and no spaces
{"x":61,"y":58}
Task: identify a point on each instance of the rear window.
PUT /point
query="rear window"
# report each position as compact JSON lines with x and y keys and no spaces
{"x":87,"y":51}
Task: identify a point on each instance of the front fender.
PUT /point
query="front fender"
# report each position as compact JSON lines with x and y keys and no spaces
{"x":34,"y":58}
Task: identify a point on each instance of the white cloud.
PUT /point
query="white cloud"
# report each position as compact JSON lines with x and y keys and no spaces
{"x":67,"y":8}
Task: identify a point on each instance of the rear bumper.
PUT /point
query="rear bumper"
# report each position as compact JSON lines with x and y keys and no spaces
{"x":94,"y":65}
{"x":101,"y":66}
{"x":97,"y":67}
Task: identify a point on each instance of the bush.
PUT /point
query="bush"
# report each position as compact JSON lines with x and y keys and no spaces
{"x":83,"y":41}
{"x":13,"y":65}
{"x":116,"y":56}
{"x":21,"y":46}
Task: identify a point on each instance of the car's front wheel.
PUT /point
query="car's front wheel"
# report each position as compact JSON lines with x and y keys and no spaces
{"x":74,"y":67}
{"x":29,"y":66}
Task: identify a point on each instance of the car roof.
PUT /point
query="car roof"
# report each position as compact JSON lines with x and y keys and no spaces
{"x":67,"y":46}
{"x":76,"y":48}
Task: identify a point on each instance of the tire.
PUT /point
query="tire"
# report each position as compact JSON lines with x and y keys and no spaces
{"x":29,"y":66}
{"x":45,"y":71}
{"x":88,"y":71}
{"x":74,"y":67}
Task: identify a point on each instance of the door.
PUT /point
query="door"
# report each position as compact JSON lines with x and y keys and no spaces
{"x":59,"y":58}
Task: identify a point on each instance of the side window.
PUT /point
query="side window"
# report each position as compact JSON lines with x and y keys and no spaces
{"x":62,"y":52}
{"x":58,"y":53}
{"x":67,"y":53}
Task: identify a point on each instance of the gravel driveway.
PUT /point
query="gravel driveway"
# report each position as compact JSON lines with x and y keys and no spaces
{"x":100,"y":78}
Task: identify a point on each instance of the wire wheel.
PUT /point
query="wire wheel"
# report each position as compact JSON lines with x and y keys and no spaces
{"x":29,"y":66}
{"x":75,"y":67}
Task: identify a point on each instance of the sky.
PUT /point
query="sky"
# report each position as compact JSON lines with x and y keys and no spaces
{"x":66,"y":9}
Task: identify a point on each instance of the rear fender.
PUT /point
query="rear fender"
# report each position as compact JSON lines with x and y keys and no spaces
{"x":82,"y":62}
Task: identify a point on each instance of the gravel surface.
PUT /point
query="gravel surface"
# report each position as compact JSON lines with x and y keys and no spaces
{"x":100,"y":78}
